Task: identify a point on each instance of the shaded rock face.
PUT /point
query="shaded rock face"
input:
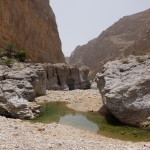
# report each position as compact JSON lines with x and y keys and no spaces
{"x":66,"y":77}
{"x":31,"y":26}
{"x":130,"y":35}
{"x":125,"y":88}
{"x":20,"y":85}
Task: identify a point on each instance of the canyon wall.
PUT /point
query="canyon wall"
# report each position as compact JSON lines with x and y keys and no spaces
{"x":31,"y":26}
{"x":130,"y":35}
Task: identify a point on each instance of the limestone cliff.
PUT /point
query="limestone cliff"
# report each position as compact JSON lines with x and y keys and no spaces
{"x":130,"y":35}
{"x":31,"y":26}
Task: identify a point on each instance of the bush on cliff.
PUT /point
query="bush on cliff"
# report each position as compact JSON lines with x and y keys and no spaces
{"x":9,"y":51}
{"x":141,"y":53}
{"x":21,"y":55}
{"x":10,"y":55}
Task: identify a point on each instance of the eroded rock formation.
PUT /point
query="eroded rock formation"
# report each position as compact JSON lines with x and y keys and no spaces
{"x":20,"y":85}
{"x":31,"y":26}
{"x":130,"y":35}
{"x":66,"y":77}
{"x":125,"y":88}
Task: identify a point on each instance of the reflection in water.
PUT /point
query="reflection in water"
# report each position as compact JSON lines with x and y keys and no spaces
{"x":79,"y":121}
{"x":93,"y":121}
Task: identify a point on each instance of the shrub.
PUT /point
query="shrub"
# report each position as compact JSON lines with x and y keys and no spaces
{"x":9,"y":50}
{"x":9,"y":55}
{"x":21,"y":55}
{"x":141,"y":53}
{"x":8,"y":62}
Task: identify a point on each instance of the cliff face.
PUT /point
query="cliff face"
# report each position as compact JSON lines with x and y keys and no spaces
{"x":130,"y":35}
{"x":30,"y":25}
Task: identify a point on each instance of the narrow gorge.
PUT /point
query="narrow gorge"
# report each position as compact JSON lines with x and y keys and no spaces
{"x":48,"y":102}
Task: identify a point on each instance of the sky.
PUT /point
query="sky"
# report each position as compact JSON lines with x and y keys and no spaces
{"x":79,"y":21}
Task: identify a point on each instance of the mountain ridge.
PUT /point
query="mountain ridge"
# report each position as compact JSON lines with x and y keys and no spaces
{"x":119,"y":40}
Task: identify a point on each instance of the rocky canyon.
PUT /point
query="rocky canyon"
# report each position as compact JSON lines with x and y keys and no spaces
{"x":45,"y":78}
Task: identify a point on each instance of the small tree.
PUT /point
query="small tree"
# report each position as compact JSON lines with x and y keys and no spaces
{"x":21,"y":55}
{"x":9,"y":50}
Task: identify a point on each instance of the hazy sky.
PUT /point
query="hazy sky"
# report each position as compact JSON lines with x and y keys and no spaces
{"x":82,"y":20}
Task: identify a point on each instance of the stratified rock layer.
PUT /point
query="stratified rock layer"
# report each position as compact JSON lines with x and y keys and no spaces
{"x":130,"y":35}
{"x":125,"y":88}
{"x":30,"y":25}
{"x":22,"y":83}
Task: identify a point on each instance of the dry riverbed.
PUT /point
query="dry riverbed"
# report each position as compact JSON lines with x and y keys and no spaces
{"x":16,"y":134}
{"x":80,"y":100}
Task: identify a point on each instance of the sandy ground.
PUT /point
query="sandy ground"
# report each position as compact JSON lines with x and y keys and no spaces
{"x":16,"y":134}
{"x":80,"y":100}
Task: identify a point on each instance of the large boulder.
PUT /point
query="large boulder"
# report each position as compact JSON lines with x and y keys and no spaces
{"x":14,"y":96}
{"x":34,"y":74}
{"x":22,"y":83}
{"x":125,"y":89}
{"x":19,"y":86}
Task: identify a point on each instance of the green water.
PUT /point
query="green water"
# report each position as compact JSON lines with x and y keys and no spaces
{"x":92,"y":121}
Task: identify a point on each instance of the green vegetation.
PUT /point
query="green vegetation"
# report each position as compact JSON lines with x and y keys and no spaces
{"x":11,"y":55}
{"x":8,"y":62}
{"x":141,"y":53}
{"x":21,"y":56}
{"x":9,"y":51}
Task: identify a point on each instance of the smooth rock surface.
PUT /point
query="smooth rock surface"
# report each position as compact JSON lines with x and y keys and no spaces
{"x":125,"y":88}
